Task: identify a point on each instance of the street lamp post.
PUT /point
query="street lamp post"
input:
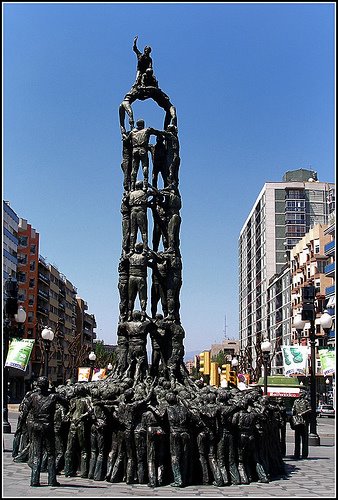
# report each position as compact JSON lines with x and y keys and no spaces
{"x":92,"y":358}
{"x":47,"y":335}
{"x":309,"y":314}
{"x":12,"y":311}
{"x":266,"y":348}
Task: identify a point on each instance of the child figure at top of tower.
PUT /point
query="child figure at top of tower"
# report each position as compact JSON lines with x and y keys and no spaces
{"x":144,"y":61}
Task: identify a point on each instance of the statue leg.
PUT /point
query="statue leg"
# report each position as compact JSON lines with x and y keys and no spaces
{"x":130,"y":452}
{"x":176,"y":459}
{"x":99,"y":472}
{"x":142,"y":223}
{"x":37,"y":450}
{"x":134,"y":170}
{"x":201,"y":445}
{"x":221,"y":460}
{"x":234,"y":474}
{"x":151,"y":463}
{"x":132,"y":292}
{"x":143,"y":295}
{"x":49,"y":438}
{"x":120,"y":460}
{"x":145,"y":168}
{"x":112,"y":456}
{"x":84,"y":451}
{"x":141,"y":455}
{"x":125,"y":233}
{"x":133,"y":230}
{"x":154,"y":298}
{"x":69,"y":455}
{"x":93,"y":453}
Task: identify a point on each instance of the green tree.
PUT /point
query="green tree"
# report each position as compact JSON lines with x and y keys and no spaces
{"x":220,"y":358}
{"x":103,"y":356}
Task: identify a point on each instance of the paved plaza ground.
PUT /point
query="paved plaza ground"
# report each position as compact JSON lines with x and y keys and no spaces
{"x":310,"y":478}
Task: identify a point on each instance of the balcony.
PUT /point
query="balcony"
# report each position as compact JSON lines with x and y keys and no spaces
{"x":330,"y":290}
{"x":43,"y":310}
{"x":44,"y":278}
{"x":330,"y":270}
{"x":329,"y":248}
{"x":44,"y":295}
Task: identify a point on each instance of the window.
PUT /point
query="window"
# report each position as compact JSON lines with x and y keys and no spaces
{"x":22,"y":258}
{"x":33,"y":249}
{"x":32,"y":266}
{"x":22,"y":277}
{"x":23,"y":241}
{"x":32,"y":283}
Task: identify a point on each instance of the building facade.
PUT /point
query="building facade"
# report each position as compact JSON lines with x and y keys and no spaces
{"x":282,"y":214}
{"x":49,"y":299}
{"x":10,"y":241}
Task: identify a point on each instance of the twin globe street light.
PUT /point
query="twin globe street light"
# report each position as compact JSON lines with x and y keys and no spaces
{"x":308,"y":314}
{"x":92,"y":359}
{"x":47,"y":335}
{"x":266,"y":349}
{"x":11,"y":311}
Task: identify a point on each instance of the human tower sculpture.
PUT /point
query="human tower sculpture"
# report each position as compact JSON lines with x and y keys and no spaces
{"x":150,"y":422}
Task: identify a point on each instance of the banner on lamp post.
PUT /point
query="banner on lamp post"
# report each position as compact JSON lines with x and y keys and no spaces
{"x":295,"y":359}
{"x":99,"y":374}
{"x":83,"y":374}
{"x":327,"y":360}
{"x":19,"y":353}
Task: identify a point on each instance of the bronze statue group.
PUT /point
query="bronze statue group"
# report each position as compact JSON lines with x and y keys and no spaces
{"x":152,"y":432}
{"x":150,"y":423}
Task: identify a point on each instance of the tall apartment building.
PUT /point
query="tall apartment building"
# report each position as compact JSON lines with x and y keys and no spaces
{"x":49,"y":299}
{"x":10,"y":241}
{"x":330,"y":291}
{"x":85,"y":323}
{"x":281,"y":215}
{"x":27,"y":274}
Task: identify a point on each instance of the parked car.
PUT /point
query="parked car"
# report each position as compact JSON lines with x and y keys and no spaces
{"x":326,"y":411}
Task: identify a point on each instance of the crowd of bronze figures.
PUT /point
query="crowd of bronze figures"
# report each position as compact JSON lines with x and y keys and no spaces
{"x":151,"y":433}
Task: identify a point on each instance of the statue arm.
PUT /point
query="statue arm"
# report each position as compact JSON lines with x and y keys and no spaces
{"x":135,"y":49}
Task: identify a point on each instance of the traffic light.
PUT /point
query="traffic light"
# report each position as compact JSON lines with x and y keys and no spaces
{"x":214,"y":375}
{"x":233,"y":377}
{"x":225,"y":374}
{"x":11,"y":288}
{"x":308,"y":312}
{"x":205,"y":363}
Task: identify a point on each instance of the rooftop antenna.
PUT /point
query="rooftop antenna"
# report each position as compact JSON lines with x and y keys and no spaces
{"x":225,"y":327}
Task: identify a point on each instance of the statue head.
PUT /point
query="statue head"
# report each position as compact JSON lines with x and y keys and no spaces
{"x":81,"y":390}
{"x":140,"y":124}
{"x":139,"y":185}
{"x":129,"y":394}
{"x":171,"y":128}
{"x":171,"y":398}
{"x":136,"y":315}
{"x":223,"y":396}
{"x":147,"y":50}
{"x":138,"y":247}
{"x":42,"y":383}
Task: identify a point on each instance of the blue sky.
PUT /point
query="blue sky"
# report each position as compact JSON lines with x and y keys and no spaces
{"x":254,"y":88}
